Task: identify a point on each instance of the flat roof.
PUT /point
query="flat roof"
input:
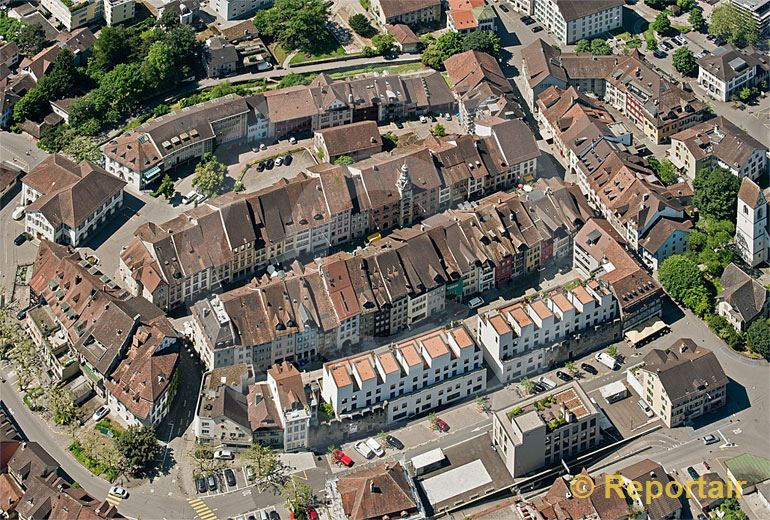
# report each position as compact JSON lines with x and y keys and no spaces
{"x":455,"y":482}
{"x":613,"y":388}
{"x":426,"y":459}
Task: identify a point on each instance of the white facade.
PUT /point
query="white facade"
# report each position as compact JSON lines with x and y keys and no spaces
{"x":236,"y":9}
{"x":118,"y":11}
{"x":87,"y":12}
{"x":547,"y":12}
{"x":725,"y":90}
{"x":516,"y":337}
{"x":751,"y":226}
{"x":408,"y":378}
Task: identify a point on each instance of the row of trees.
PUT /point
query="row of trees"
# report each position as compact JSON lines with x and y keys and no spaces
{"x":437,"y":50}
{"x":597,"y":47}
{"x":295,"y":24}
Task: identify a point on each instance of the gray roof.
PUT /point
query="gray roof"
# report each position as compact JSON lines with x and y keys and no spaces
{"x":576,"y":9}
{"x":744,"y":294}
{"x":685,"y":369}
{"x":728,"y":62}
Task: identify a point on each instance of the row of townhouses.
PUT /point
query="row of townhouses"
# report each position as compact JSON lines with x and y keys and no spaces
{"x":235,"y":410}
{"x":125,"y":348}
{"x":325,"y":206}
{"x":629,"y":84}
{"x":328,"y":305}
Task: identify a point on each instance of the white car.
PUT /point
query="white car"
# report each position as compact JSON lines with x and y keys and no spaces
{"x":100,"y":413}
{"x":448,"y":116}
{"x":365,"y":450}
{"x":18,"y":213}
{"x":279,"y":161}
{"x":423,"y":119}
{"x":292,"y":140}
{"x":118,"y":492}
{"x":224,"y":455}
{"x":645,"y":408}
{"x":201,"y":198}
{"x":375,"y":446}
{"x":475,"y":303}
{"x":187,"y":199}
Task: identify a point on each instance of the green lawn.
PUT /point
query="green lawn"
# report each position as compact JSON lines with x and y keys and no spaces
{"x":279,"y":53}
{"x":682,"y":28}
{"x":329,"y":47}
{"x":393,"y":69}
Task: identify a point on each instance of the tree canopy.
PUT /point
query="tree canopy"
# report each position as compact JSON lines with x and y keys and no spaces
{"x":294,"y":24}
{"x":138,"y":445}
{"x":696,"y":20}
{"x":209,"y":175}
{"x":758,"y":337}
{"x":600,"y":47}
{"x":583,"y":45}
{"x":684,"y":61}
{"x":30,"y":39}
{"x":716,"y":193}
{"x":384,"y":43}
{"x":661,"y":24}
{"x":482,"y":41}
{"x":733,"y":25}
{"x":361,"y":25}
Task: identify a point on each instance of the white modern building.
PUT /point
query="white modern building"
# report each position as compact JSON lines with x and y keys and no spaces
{"x":573,"y":20}
{"x":752,"y":228}
{"x":236,"y":9}
{"x":408,"y":378}
{"x":728,"y":70}
{"x":118,"y":11}
{"x":75,"y":14}
{"x":517,"y":337}
{"x":546,"y":429}
{"x":757,"y":9}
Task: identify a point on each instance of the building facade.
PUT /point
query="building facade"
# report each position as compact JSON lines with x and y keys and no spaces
{"x":573,"y":20}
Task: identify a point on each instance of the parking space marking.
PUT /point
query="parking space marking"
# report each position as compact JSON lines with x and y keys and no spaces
{"x":201,"y":509}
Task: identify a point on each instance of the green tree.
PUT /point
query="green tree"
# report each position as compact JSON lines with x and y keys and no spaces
{"x":170,"y":17}
{"x":63,"y":78}
{"x":61,"y":404}
{"x":685,"y":5}
{"x":699,"y":300}
{"x":209,"y":175}
{"x":733,"y":25}
{"x":34,"y":105}
{"x":441,"y":49}
{"x":583,"y":46}
{"x":123,"y":87}
{"x":361,"y":25}
{"x":600,"y":48}
{"x":181,"y":40}
{"x":527,"y":384}
{"x":745,"y":94}
{"x":758,"y":337}
{"x":158,"y":66}
{"x":344,"y":160}
{"x":30,"y":39}
{"x":9,"y":27}
{"x":679,"y":275}
{"x":114,"y":45}
{"x":384,"y":43}
{"x":292,"y":79}
{"x":666,"y":171}
{"x":294,"y":24}
{"x":684,"y":61}
{"x":80,"y":147}
{"x":262,"y":459}
{"x":298,"y":496}
{"x":438,"y":130}
{"x":166,"y":188}
{"x":572,"y":368}
{"x":696,"y":20}
{"x":657,"y":4}
{"x":612,"y":350}
{"x":138,"y":445}
{"x":651,"y":41}
{"x":482,"y":41}
{"x":716,"y":193}
{"x":661,"y":24}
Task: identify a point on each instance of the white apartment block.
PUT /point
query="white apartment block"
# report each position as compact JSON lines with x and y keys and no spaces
{"x":118,"y":11}
{"x":288,"y":392}
{"x":757,"y":9}
{"x":545,"y":429}
{"x":516,"y":337}
{"x":236,"y":9}
{"x":725,"y":72}
{"x":573,"y":20}
{"x":74,"y":14}
{"x":408,"y":378}
{"x":752,"y":228}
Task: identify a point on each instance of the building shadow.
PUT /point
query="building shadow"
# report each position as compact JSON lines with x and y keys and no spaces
{"x":131,"y":206}
{"x":737,"y":401}
{"x":633,"y":22}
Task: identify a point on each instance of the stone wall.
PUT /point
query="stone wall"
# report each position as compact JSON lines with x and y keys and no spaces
{"x":336,"y":432}
{"x":584,"y":343}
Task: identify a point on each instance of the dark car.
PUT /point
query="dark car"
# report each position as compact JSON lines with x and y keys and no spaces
{"x":274,"y":515}
{"x":269,"y":164}
{"x":527,"y":20}
{"x":287,"y":160}
{"x":399,"y":124}
{"x":442,"y":425}
{"x":230,"y":477}
{"x":537,"y":388}
{"x":251,"y":517}
{"x":659,"y":54}
{"x":537,"y":29}
{"x":19,"y":240}
{"x":261,"y":166}
{"x":563,"y":376}
{"x":212,"y":482}
{"x":395,"y":443}
{"x":504,"y":8}
{"x":693,"y":474}
{"x":200,"y":484}
{"x":589,"y":368}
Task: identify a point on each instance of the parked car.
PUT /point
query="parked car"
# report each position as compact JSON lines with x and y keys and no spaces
{"x":504,"y":8}
{"x":538,"y":388}
{"x":18,"y":213}
{"x":398,"y":124}
{"x":607,"y":360}
{"x":547,"y":383}
{"x":679,"y":40}
{"x":364,"y":449}
{"x":665,"y":46}
{"x":269,"y":164}
{"x":340,"y":456}
{"x":442,"y":425}
{"x":100,"y":413}
{"x":212,"y":482}
{"x":230,"y":477}
{"x":702,"y":54}
{"x":187,"y":199}
{"x":645,"y":408}
{"x":201,"y":198}
{"x":395,"y":443}
{"x":292,"y":140}
{"x":693,"y":474}
{"x":200,"y":484}
{"x":537,"y":29}
{"x":710,"y":439}
{"x":475,"y":303}
{"x":423,"y":119}
{"x":311,"y":513}
{"x":527,"y":20}
{"x":224,"y":455}
{"x":278,"y":161}
{"x":118,"y":492}
{"x":250,"y":473}
{"x":448,"y":116}
{"x":375,"y":445}
{"x":274,"y":515}
{"x":262,"y":146}
{"x":261,"y":166}
{"x":563,"y":376}
{"x":659,"y":54}
{"x":287,"y":160}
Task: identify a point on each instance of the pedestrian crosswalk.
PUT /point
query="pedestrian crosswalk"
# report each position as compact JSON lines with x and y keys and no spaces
{"x":201,"y":509}
{"x":114,"y":500}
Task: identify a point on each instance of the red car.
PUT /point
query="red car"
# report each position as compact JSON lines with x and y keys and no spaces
{"x":442,"y":425}
{"x":341,"y":457}
{"x":311,"y":514}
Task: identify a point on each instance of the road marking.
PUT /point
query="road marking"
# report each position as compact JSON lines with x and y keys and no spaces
{"x":114,"y":500}
{"x":201,"y":509}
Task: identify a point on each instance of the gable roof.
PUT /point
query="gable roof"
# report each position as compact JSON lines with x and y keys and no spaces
{"x":685,"y":369}
{"x":745,"y":295}
{"x":378,"y":492}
